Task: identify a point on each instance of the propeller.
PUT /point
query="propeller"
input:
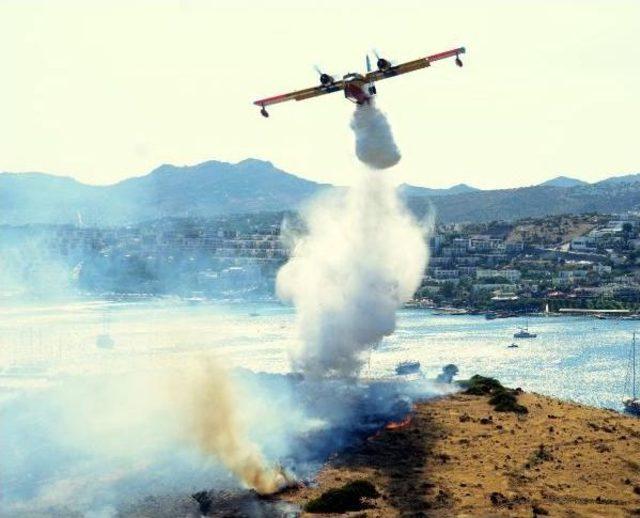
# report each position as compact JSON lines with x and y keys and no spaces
{"x":325,"y":79}
{"x":381,"y":63}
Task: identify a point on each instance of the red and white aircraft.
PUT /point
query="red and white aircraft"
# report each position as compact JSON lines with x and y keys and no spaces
{"x":359,"y":88}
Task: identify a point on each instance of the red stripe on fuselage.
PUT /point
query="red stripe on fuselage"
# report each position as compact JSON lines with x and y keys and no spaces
{"x":447,"y":54}
{"x":272,"y":100}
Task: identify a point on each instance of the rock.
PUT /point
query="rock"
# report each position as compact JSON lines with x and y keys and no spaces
{"x":204,"y":501}
{"x":498,"y":499}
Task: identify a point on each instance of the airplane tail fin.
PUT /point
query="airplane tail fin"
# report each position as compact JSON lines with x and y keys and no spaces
{"x":370,"y":87}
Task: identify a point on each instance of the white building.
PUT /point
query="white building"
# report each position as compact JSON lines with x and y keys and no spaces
{"x":510,"y":275}
{"x":583,"y":244}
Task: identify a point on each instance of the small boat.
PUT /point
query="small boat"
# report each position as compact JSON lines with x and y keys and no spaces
{"x":523,"y":332}
{"x":512,"y":346}
{"x":450,"y":311}
{"x":632,"y":403}
{"x":407,"y":367}
{"x":104,"y":341}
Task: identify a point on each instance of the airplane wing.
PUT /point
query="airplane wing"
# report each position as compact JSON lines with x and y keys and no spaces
{"x":301,"y":95}
{"x":410,"y":66}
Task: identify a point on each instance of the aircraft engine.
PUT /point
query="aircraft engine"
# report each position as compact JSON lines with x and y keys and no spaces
{"x":383,"y":64}
{"x":326,"y":79}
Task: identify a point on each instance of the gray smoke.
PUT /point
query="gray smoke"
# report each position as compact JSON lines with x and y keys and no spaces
{"x":375,"y":145}
{"x":215,"y":423}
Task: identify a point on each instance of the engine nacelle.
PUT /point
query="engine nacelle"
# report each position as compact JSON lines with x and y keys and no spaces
{"x":326,"y":79}
{"x":383,"y":64}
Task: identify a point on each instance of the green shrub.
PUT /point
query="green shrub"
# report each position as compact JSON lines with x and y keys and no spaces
{"x":503,"y":399}
{"x":506,"y":401}
{"x":479,"y":385}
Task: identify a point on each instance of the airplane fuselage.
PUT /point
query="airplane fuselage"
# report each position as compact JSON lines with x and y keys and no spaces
{"x":357,"y":90}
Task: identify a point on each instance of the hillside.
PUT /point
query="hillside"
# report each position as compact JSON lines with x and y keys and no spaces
{"x":204,"y":190}
{"x":411,"y":190}
{"x":511,"y":204}
{"x":563,"y":181}
{"x":460,"y":457}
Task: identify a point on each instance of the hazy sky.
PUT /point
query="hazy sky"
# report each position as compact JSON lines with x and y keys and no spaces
{"x":106,"y":90}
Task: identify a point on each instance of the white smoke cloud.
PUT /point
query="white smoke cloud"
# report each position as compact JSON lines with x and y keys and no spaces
{"x":363,"y":256}
{"x":375,"y":145}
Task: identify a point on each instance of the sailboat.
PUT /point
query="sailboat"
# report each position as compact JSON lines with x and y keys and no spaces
{"x":523,"y":332}
{"x":632,"y":403}
{"x":104,"y":340}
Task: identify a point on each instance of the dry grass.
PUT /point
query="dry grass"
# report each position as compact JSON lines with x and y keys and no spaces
{"x":459,"y":457}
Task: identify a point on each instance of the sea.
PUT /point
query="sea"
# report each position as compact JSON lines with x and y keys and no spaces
{"x":78,"y":422}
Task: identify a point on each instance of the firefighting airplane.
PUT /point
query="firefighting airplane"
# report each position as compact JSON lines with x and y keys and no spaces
{"x":359,"y":88}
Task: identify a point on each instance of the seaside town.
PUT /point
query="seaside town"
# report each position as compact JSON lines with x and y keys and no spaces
{"x":567,"y":263}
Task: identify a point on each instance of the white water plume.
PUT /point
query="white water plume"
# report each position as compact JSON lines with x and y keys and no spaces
{"x":375,"y":145}
{"x":363,"y":256}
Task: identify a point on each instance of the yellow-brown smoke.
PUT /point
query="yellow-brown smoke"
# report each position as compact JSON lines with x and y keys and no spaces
{"x":213,"y":422}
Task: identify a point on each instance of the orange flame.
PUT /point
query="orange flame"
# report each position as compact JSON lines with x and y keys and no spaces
{"x":399,"y":425}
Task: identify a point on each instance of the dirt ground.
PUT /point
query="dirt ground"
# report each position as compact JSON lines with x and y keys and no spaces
{"x":459,"y":457}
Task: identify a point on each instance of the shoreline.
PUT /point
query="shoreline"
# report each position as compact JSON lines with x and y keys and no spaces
{"x":490,"y":314}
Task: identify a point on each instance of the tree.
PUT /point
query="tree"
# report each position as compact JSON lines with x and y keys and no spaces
{"x":448,"y":290}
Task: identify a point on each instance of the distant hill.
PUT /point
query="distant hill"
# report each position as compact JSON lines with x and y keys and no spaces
{"x":511,"y":204}
{"x":412,"y":190}
{"x":563,"y":181}
{"x":619,"y":180}
{"x":215,"y":188}
{"x":204,"y":190}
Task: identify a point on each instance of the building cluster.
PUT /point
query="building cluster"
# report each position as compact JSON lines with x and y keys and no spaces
{"x":165,"y":256}
{"x":155,"y":240}
{"x":577,"y":260}
{"x":495,"y":269}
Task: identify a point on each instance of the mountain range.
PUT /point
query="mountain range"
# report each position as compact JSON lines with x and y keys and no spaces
{"x":216,"y":188}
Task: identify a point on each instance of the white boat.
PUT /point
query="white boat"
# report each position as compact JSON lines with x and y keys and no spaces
{"x":523,"y":332}
{"x":104,"y":340}
{"x":632,"y":403}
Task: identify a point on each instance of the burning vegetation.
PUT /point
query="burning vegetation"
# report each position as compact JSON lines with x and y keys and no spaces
{"x":218,"y":430}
